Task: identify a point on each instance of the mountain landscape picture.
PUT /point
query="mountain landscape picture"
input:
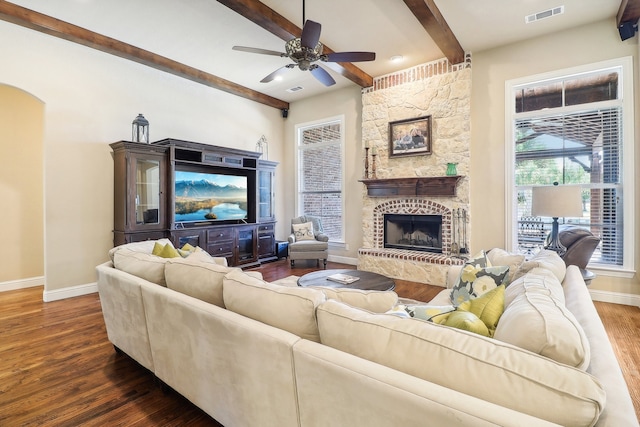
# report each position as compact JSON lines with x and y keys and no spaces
{"x":209,"y":196}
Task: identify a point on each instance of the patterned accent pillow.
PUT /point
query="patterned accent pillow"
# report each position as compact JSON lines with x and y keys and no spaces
{"x":475,"y":281}
{"x":303,"y":231}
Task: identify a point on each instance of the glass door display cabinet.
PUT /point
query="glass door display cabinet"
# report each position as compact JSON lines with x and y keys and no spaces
{"x":139,"y":192}
{"x":266,"y":197}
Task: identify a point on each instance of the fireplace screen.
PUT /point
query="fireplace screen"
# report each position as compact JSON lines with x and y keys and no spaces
{"x":413,"y":232}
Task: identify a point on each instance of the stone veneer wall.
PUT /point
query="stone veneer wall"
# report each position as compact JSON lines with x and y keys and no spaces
{"x":442,"y":91}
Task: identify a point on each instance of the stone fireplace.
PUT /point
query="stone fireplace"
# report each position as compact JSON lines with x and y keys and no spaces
{"x":416,"y":186}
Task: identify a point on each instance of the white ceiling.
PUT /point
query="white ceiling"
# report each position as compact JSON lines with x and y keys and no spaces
{"x":201,"y":33}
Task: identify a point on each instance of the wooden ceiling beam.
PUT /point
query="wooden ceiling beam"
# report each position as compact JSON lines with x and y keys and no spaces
{"x":432,"y":20}
{"x":267,"y":18}
{"x":629,"y":11}
{"x":46,"y":24}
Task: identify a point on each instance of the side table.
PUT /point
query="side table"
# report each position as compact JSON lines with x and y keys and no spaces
{"x":587,"y":276}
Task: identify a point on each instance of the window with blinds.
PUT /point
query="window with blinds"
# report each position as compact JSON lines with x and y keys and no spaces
{"x":320,"y":175}
{"x":569,"y":131}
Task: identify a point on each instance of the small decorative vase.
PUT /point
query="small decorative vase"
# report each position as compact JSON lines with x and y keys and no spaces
{"x":451,"y":169}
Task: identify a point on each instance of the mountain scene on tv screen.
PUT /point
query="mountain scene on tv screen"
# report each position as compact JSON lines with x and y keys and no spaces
{"x":205,"y":199}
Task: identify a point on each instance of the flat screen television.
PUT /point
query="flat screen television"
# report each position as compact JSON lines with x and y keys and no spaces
{"x":210,"y":196}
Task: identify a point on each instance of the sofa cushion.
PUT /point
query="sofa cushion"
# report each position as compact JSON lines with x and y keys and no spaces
{"x":196,"y":278}
{"x":552,"y":286}
{"x":374,"y":301}
{"x":145,"y":246}
{"x":140,"y":264}
{"x":539,"y":322}
{"x":200,"y":255}
{"x":502,"y":373}
{"x":291,"y":309}
{"x":545,"y":259}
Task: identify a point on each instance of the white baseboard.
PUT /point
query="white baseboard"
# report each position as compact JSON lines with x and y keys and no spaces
{"x":12,"y":285}
{"x":615,"y":297}
{"x":343,"y":260}
{"x":70,"y":292}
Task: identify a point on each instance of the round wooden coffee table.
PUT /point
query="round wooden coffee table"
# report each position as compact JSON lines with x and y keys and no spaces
{"x":368,"y":281}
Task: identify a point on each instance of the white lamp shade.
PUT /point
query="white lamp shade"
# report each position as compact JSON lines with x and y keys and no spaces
{"x":557,"y":201}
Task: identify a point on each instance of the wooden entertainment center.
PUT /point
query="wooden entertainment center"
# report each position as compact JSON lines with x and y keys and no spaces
{"x":145,"y":200}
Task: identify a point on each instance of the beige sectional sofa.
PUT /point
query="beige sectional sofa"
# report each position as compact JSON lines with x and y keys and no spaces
{"x":252,"y":353}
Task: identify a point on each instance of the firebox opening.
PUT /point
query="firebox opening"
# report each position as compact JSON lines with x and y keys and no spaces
{"x":413,"y":232}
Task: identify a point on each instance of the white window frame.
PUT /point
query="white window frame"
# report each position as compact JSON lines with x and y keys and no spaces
{"x":299,"y":128}
{"x":625,"y":65}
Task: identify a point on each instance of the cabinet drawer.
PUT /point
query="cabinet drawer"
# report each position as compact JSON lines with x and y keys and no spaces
{"x":264,"y":228}
{"x":219,"y":234}
{"x":220,"y":249}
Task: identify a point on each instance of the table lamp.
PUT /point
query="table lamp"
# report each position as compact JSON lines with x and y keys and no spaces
{"x":556,"y":201}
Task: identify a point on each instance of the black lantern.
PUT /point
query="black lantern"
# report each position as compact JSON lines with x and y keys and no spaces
{"x":140,"y":129}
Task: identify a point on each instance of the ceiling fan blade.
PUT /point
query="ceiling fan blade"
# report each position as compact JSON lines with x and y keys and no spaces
{"x":258,"y":50}
{"x":275,"y":74}
{"x":350,"y":56}
{"x":323,"y":76}
{"x":310,"y":34}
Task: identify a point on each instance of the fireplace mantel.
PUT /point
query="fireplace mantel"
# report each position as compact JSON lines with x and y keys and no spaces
{"x":416,"y":186}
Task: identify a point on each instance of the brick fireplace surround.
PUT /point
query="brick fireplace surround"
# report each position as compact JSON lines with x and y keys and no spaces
{"x":417,"y":266}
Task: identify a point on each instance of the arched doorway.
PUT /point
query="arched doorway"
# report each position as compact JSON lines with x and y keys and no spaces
{"x":21,"y":189}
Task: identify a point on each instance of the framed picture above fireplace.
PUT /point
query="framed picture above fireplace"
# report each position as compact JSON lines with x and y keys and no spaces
{"x":410,"y":137}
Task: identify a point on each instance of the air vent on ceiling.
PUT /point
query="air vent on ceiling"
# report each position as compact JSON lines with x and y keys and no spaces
{"x":544,"y":14}
{"x":295,"y":89}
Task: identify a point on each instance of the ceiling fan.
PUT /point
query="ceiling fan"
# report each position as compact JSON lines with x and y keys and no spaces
{"x":304,"y":51}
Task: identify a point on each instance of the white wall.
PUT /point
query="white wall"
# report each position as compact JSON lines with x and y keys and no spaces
{"x":90,"y":100}
{"x":347,"y":102}
{"x":490,"y":70}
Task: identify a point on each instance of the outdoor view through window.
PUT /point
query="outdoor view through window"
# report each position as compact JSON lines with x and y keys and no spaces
{"x":569,"y":131}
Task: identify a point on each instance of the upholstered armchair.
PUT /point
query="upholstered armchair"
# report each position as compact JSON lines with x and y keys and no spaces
{"x":307,"y":240}
{"x":580,"y":244}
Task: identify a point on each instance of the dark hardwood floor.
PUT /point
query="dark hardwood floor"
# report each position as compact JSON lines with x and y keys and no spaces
{"x":57,"y":367}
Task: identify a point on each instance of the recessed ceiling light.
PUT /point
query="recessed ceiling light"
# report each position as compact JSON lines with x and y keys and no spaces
{"x":397,"y":58}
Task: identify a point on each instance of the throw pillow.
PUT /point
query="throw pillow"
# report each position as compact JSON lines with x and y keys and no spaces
{"x":475,"y":281}
{"x":467,"y":321}
{"x":303,"y":231}
{"x":165,"y":250}
{"x":186,"y":250}
{"x":431,"y":313}
{"x":488,"y":308}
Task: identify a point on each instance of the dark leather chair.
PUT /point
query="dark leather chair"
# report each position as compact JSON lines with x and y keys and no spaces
{"x":580,"y":244}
